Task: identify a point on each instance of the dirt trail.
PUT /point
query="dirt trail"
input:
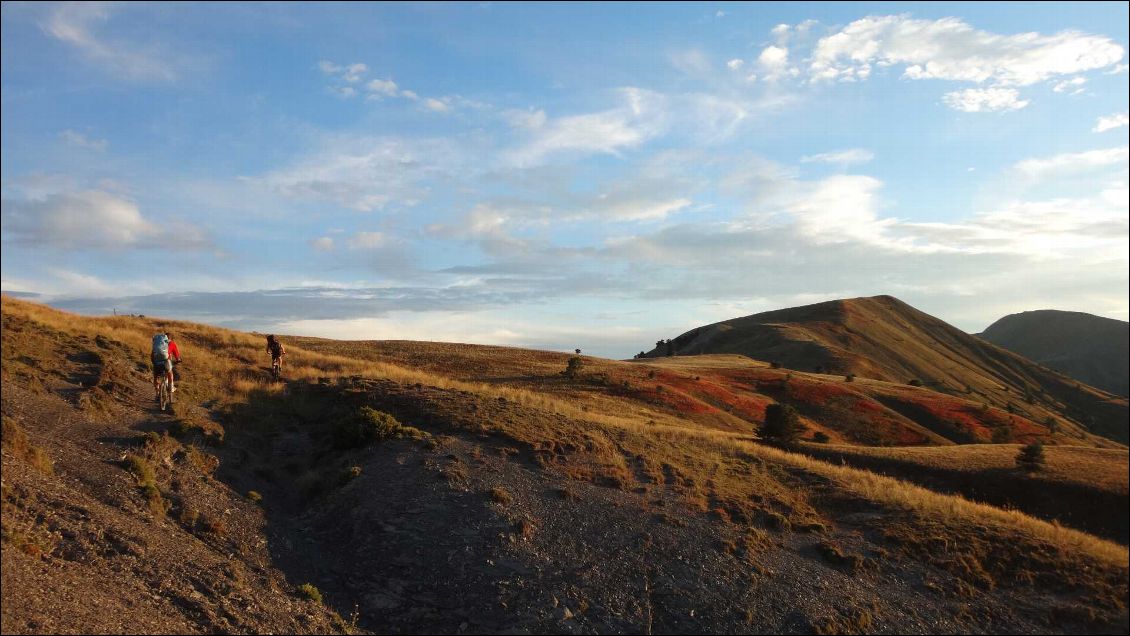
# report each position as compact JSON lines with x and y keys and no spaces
{"x":95,"y":557}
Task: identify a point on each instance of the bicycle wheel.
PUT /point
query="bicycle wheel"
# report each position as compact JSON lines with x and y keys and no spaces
{"x":165,"y":395}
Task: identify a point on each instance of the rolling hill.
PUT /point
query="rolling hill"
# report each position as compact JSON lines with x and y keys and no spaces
{"x":883,"y":338}
{"x":1091,"y":349}
{"x":404,"y":487}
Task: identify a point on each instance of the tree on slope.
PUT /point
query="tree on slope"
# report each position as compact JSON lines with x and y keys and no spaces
{"x":782,"y":424}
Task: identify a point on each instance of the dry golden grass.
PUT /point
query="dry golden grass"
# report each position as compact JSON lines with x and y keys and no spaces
{"x":16,"y":441}
{"x":617,"y":439}
{"x":1101,"y":468}
{"x":949,"y":509}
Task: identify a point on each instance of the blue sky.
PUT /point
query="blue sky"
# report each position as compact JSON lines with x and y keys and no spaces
{"x":562,"y":175}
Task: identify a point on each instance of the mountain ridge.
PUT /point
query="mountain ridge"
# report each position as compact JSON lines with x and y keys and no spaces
{"x":1092,"y":349}
{"x":884,"y":338}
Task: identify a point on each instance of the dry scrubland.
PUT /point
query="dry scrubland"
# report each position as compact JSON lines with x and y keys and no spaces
{"x":883,"y":338}
{"x":670,"y":439}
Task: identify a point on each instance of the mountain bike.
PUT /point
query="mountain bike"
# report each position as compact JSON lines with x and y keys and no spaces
{"x":165,"y":390}
{"x":164,"y":393}
{"x":276,"y":369}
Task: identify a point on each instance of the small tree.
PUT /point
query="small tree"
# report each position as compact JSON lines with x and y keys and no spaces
{"x":573,"y":368}
{"x":820,"y":437}
{"x":915,"y":382}
{"x":1052,"y":424}
{"x":782,"y":424}
{"x":1031,"y":458}
{"x":670,"y":347}
{"x":849,"y":377}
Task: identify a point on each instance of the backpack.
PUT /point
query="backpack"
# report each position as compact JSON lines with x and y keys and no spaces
{"x":160,"y":347}
{"x":276,"y":348}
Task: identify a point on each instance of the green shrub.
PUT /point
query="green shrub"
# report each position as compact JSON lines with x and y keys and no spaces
{"x":782,"y":424}
{"x":1031,"y":458}
{"x":820,"y":437}
{"x":915,"y":382}
{"x":141,"y":468}
{"x":254,"y":496}
{"x":311,"y":592}
{"x":573,"y":367}
{"x":367,"y":426}
{"x":501,"y":495}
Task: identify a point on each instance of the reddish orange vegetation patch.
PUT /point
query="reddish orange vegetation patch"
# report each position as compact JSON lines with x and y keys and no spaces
{"x":971,"y":421}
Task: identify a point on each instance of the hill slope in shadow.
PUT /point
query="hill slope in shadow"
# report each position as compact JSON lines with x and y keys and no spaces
{"x":1091,"y":349}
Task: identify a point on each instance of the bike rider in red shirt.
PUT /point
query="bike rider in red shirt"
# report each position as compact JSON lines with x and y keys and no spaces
{"x":165,"y":364}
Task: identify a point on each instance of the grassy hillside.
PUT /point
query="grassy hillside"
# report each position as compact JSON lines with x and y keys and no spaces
{"x":885,"y":339}
{"x":423,"y":491}
{"x":1091,"y":349}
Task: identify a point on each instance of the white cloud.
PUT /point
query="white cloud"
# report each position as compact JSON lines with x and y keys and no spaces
{"x":638,"y":119}
{"x":76,"y":23}
{"x":323,"y":244}
{"x":1041,"y":169}
{"x":382,"y":87}
{"x":950,"y":49}
{"x":530,"y":119}
{"x":980,"y":100}
{"x":841,"y":208}
{"x":355,"y":72}
{"x":692,"y":62}
{"x":367,"y":240}
{"x":615,"y":208}
{"x":850,"y":156}
{"x":92,"y":219}
{"x":82,"y":141}
{"x":367,"y":173}
{"x":735,"y":64}
{"x":378,"y":89}
{"x":1074,"y":85}
{"x":773,"y":62}
{"x":1117,"y":120}
{"x":436,"y":105}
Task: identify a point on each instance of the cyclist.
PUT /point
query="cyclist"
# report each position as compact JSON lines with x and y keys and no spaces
{"x":275,"y":348}
{"x":164,"y":352}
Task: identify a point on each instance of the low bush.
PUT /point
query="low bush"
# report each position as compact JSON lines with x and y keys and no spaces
{"x":1031,"y":458}
{"x":368,"y":426}
{"x":309,"y":591}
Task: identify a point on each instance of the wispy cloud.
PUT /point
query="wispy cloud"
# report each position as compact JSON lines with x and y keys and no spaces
{"x":82,"y":141}
{"x":77,"y":24}
{"x":94,"y":220}
{"x":639,"y":118}
{"x":366,"y":173}
{"x":844,"y":157}
{"x":1038,"y":169}
{"x":349,"y":81}
{"x":1110,"y":122}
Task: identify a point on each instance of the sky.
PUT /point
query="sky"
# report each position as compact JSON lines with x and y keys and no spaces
{"x":560,"y":176}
